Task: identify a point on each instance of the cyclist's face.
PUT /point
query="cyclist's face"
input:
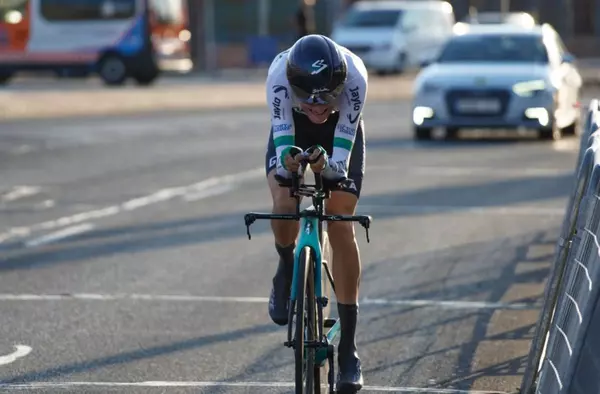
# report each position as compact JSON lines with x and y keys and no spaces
{"x":317,"y":113}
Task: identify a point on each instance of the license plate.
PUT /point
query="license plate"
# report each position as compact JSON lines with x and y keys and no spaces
{"x":487,"y":106}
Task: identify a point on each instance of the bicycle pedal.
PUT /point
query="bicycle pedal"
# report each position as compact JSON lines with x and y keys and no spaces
{"x":329,"y":322}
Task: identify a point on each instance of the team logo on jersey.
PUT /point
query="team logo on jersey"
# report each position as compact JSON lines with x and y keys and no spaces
{"x":273,"y":161}
{"x":281,"y":88}
{"x":353,"y":120}
{"x":319,"y":66}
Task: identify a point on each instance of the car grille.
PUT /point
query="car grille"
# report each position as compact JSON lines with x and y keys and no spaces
{"x":477,"y":102}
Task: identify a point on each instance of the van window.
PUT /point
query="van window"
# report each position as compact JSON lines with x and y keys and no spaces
{"x":86,"y":10}
{"x":440,"y":22}
{"x":412,"y":19}
{"x":371,"y":18}
{"x":167,"y":12}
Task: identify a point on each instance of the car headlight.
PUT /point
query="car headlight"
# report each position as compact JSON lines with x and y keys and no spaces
{"x":529,"y":88}
{"x":429,"y":87}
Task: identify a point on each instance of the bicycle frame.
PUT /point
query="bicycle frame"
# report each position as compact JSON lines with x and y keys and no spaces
{"x":310,"y":235}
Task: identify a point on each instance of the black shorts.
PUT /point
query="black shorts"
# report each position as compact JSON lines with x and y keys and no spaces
{"x":308,"y":134}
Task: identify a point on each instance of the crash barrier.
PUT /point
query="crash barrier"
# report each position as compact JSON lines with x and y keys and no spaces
{"x":565,"y":352}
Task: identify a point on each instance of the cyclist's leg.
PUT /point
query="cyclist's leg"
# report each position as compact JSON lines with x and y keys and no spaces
{"x":346,"y":265}
{"x":285,"y":233}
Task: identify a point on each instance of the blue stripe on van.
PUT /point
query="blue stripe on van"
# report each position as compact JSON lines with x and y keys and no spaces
{"x":133,"y":41}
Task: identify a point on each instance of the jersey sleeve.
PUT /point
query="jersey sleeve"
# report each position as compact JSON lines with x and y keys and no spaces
{"x":351,"y":106}
{"x":280,"y":106}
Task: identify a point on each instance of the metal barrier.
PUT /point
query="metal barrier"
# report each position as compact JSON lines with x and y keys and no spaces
{"x":564,"y":355}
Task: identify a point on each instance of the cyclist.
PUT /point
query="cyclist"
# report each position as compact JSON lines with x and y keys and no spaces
{"x":316,"y":91}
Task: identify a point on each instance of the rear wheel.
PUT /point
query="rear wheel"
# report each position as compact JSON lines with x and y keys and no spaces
{"x":5,"y":77}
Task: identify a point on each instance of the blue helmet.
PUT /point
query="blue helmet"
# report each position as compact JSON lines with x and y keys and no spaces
{"x":316,"y":69}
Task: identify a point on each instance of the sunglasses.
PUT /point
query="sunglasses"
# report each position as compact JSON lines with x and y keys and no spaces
{"x":317,"y":97}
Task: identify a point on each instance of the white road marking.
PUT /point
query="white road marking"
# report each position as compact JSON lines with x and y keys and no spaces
{"x":59,"y":235}
{"x":260,"y":300}
{"x":160,"y":196}
{"x":214,"y":191}
{"x":566,"y":145}
{"x":21,"y":351}
{"x":20,"y":192}
{"x":54,"y":385}
{"x":431,"y":209}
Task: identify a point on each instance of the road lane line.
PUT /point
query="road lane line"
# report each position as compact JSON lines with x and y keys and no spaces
{"x":19,"y":192}
{"x":59,"y":235}
{"x":203,"y":187}
{"x":20,"y":351}
{"x":388,"y":389}
{"x":445,"y":304}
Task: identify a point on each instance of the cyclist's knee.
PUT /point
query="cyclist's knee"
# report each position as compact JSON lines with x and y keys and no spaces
{"x":341,"y":203}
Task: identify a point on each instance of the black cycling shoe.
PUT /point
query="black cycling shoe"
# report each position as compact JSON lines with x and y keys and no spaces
{"x":278,"y":301}
{"x":282,"y":282}
{"x":350,"y":378}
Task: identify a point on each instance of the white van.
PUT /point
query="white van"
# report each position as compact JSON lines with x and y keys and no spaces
{"x":395,"y":36}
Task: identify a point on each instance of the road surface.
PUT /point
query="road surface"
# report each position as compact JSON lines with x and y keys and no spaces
{"x":125,"y":266}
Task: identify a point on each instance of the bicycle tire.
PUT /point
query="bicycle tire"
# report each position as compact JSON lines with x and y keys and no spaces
{"x":313,"y":378}
{"x":327,"y":256}
{"x":299,"y":329}
{"x":323,"y":372}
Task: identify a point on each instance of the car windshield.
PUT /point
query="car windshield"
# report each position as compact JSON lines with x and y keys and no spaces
{"x":371,"y":18}
{"x":494,"y":48}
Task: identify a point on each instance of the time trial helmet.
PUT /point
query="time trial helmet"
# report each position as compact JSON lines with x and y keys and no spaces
{"x":316,"y":69}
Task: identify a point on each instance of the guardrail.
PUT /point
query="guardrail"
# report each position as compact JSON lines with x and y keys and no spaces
{"x":565,"y":352}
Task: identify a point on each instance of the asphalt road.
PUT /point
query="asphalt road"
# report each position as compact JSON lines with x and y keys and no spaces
{"x":125,"y":266}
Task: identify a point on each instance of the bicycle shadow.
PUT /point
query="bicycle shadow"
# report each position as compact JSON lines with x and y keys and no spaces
{"x":493,"y":342}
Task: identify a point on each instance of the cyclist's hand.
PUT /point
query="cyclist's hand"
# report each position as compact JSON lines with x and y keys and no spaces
{"x":292,"y":163}
{"x":291,"y":158}
{"x":317,"y":159}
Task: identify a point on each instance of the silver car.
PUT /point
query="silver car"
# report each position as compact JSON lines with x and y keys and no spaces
{"x":499,"y":76}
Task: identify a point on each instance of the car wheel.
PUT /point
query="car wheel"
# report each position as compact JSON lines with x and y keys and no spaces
{"x":112,"y":70}
{"x":451,"y":133}
{"x":401,"y":66}
{"x":422,"y":133}
{"x":5,"y":77}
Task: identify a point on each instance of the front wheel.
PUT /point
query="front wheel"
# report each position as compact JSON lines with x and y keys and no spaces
{"x":113,"y":70}
{"x":305,"y":313}
{"x":422,"y":133}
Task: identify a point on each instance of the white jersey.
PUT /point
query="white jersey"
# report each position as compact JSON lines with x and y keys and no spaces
{"x":350,"y":105}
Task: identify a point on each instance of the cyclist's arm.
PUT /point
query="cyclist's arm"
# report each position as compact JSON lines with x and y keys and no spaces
{"x":351,"y":106}
{"x":282,"y":123}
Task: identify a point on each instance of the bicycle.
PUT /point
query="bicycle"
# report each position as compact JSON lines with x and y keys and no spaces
{"x":307,"y":301}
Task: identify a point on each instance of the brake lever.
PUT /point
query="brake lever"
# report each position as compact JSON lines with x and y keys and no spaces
{"x":365,"y":222}
{"x":249,"y":219}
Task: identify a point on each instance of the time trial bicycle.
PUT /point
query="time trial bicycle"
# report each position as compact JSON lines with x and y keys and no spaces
{"x":308,"y":297}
